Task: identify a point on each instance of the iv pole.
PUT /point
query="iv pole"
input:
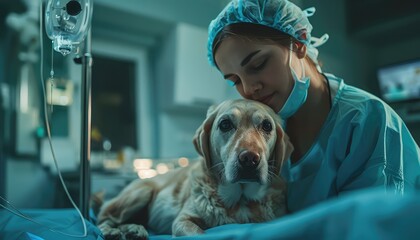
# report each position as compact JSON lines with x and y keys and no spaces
{"x":57,"y":22}
{"x":85,"y":127}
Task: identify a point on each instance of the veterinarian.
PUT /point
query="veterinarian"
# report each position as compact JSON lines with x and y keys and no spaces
{"x":344,"y":138}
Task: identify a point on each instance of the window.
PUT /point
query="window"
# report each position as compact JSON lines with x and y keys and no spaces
{"x":118,"y":61}
{"x":113,"y":103}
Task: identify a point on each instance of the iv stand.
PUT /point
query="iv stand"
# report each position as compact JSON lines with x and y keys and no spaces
{"x":85,"y":127}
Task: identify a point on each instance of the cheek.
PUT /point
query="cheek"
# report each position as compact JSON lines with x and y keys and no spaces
{"x":277,"y":77}
{"x":271,"y":146}
{"x":280,"y":81}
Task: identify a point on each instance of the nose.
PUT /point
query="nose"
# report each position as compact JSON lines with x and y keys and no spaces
{"x":250,"y":87}
{"x":249,"y":159}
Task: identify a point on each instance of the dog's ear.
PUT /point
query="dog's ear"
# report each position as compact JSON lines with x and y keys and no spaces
{"x":201,"y":138}
{"x":283,"y":148}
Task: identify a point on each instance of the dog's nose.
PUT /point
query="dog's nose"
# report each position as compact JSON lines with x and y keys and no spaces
{"x":249,"y":159}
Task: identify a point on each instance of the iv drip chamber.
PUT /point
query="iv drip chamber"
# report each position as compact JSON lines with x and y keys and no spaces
{"x":67,"y":23}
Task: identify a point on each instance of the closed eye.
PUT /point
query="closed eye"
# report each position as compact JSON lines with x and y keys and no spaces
{"x":260,"y":66}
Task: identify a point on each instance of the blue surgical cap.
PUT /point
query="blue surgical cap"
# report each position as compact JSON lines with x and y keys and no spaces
{"x":278,"y":14}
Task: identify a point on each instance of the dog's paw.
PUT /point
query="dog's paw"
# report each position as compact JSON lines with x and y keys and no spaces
{"x":134,"y":232}
{"x":112,"y":234}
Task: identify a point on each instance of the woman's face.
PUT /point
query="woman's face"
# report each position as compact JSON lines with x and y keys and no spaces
{"x":259,"y":71}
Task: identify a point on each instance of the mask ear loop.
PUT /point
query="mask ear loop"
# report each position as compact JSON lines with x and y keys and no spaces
{"x":290,"y":55}
{"x":302,"y":66}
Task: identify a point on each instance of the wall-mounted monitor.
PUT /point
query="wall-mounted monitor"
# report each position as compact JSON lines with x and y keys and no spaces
{"x":400,"y":82}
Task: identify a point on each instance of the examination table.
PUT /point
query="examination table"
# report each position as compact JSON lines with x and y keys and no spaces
{"x":367,"y":214}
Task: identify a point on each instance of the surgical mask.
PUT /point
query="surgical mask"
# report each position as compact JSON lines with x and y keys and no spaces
{"x":299,"y":92}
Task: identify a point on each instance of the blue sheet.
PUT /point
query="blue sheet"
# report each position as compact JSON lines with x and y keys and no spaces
{"x":368,"y":214}
{"x":66,"y":220}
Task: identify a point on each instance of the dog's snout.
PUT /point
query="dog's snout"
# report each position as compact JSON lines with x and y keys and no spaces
{"x":249,"y":159}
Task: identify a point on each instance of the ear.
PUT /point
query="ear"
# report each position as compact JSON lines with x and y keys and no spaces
{"x":201,"y":138}
{"x":283,"y":148}
{"x":300,"y":49}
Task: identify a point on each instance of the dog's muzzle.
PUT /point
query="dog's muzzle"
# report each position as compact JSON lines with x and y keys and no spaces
{"x":248,"y":166}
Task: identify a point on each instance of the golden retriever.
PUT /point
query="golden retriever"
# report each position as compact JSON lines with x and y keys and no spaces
{"x":237,"y":179}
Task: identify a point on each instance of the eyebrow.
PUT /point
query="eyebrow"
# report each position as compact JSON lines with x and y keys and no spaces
{"x":249,"y":57}
{"x":244,"y":62}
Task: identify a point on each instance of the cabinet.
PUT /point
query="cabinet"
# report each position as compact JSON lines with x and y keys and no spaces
{"x":195,"y":84}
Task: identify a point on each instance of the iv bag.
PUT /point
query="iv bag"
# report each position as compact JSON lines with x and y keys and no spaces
{"x":67,"y":23}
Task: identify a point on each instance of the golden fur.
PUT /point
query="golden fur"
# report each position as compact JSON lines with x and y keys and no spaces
{"x":237,"y":180}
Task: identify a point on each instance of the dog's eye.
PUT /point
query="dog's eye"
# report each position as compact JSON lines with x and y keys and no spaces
{"x":225,"y":125}
{"x":266,"y":126}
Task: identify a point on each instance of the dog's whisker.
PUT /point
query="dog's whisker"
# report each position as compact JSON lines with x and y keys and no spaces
{"x":221,"y":173}
{"x":220,"y":168}
{"x":272,"y":174}
{"x":216,"y":165}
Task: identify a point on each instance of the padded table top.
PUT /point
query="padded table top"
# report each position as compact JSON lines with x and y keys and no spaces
{"x":64,"y":220}
{"x":366,"y":214}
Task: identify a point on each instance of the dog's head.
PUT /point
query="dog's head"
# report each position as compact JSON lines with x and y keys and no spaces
{"x":242,"y":141}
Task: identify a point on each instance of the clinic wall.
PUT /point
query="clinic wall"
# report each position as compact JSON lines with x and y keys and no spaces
{"x":395,"y":52}
{"x":341,"y":55}
{"x":196,"y":12}
{"x":398,"y":51}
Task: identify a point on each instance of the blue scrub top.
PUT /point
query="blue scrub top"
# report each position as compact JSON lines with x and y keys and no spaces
{"x":363,"y":143}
